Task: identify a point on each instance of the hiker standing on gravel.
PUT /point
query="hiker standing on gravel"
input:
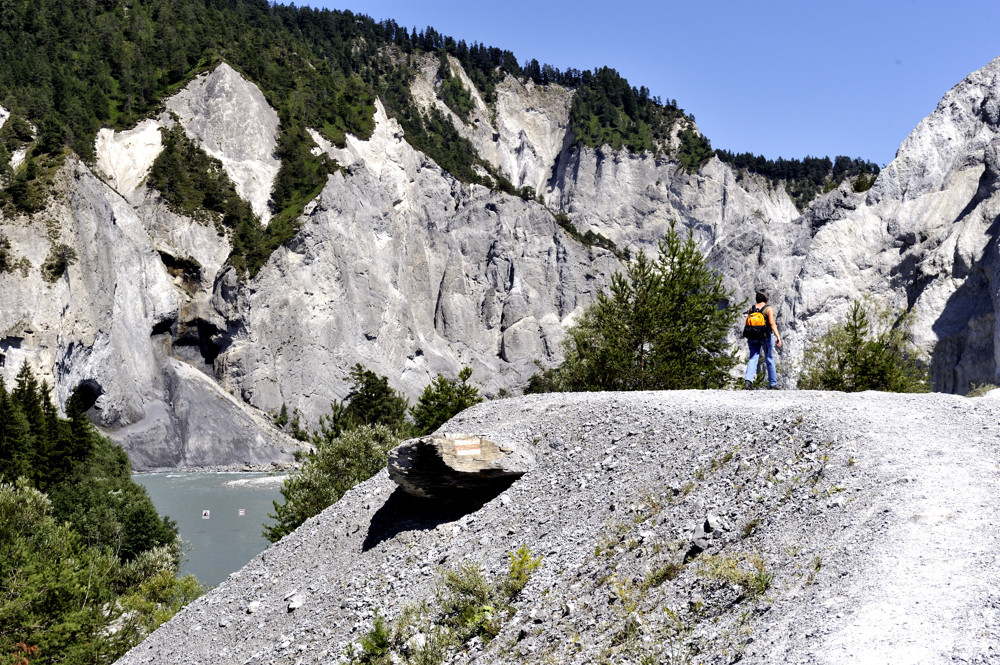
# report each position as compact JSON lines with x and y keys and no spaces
{"x":761,"y":333}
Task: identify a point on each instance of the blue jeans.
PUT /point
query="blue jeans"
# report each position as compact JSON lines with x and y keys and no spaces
{"x":767,"y":346}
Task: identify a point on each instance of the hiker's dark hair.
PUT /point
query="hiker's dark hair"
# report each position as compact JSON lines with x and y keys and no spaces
{"x":762,"y":296}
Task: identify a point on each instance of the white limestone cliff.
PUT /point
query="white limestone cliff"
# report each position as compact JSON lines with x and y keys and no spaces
{"x":125,"y":158}
{"x":924,"y":237}
{"x":402,"y":268}
{"x":522,"y":136}
{"x":225,"y":115}
{"x":411,"y":273}
{"x":241,"y":134}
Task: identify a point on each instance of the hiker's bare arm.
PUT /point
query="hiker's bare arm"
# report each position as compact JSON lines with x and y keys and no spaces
{"x":774,"y":327}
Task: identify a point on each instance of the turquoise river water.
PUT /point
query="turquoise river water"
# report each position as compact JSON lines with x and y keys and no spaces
{"x":221,"y":515}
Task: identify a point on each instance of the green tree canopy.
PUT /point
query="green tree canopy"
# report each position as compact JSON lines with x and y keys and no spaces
{"x":662,"y":325}
{"x":442,"y":399}
{"x":82,"y":549}
{"x":69,"y":600}
{"x":372,"y":401}
{"x":860,"y":354}
{"x":337,"y":464}
{"x":805,"y":179}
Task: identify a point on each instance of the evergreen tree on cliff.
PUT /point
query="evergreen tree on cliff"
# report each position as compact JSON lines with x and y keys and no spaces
{"x":661,"y":326}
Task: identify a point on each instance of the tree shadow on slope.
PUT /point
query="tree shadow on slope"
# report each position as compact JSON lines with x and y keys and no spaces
{"x":404,"y":512}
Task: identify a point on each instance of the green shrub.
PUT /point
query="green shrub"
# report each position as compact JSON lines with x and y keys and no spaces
{"x":754,"y":581}
{"x":336,"y":465}
{"x":590,"y":238}
{"x":662,"y":573}
{"x":74,"y":600}
{"x":864,"y":182}
{"x":863,"y":355}
{"x":375,"y":644}
{"x":468,"y":606}
{"x":191,"y":182}
{"x":50,"y":599}
{"x":6,"y":255}
{"x":155,"y":600}
{"x":371,"y":401}
{"x":521,"y":566}
{"x":59,"y":259}
{"x":457,"y":98}
{"x":472,"y":606}
{"x":749,"y":527}
{"x":29,"y":187}
{"x":351,"y":445}
{"x":978,"y":390}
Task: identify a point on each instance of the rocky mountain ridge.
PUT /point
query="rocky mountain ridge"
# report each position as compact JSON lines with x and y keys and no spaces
{"x":410,"y":272}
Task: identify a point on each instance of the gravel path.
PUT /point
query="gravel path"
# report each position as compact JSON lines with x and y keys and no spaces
{"x":928,"y":588}
{"x":872,"y":519}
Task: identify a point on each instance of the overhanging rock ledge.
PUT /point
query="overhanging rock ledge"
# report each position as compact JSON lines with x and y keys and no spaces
{"x":451,"y":466}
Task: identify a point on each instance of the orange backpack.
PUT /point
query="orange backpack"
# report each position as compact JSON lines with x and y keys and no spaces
{"x":756,"y":326}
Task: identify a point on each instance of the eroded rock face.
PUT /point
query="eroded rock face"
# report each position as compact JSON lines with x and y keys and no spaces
{"x":102,"y":325}
{"x":125,"y":158}
{"x":403,"y":269}
{"x":924,"y":237}
{"x":225,"y":115}
{"x":131,"y":320}
{"x":231,"y":120}
{"x":194,"y":424}
{"x":452,"y":467}
{"x":522,"y":135}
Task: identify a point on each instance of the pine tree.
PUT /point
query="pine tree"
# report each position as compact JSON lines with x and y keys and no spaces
{"x":17,"y":445}
{"x":443,"y":399}
{"x":862,"y":354}
{"x":372,"y":401}
{"x":661,"y":326}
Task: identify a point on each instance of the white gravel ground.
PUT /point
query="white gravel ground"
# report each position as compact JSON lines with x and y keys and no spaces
{"x":875,"y":514}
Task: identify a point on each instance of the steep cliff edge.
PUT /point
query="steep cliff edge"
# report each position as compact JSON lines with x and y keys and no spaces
{"x":130,"y":319}
{"x":404,"y":269}
{"x":829,"y":528}
{"x":924,"y":237}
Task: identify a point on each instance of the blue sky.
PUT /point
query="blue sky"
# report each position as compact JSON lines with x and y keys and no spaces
{"x":781,"y":78}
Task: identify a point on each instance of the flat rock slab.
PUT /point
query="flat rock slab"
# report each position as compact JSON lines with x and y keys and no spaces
{"x":456,"y":466}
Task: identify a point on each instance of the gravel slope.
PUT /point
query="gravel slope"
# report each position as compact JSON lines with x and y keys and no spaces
{"x":874,"y":515}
